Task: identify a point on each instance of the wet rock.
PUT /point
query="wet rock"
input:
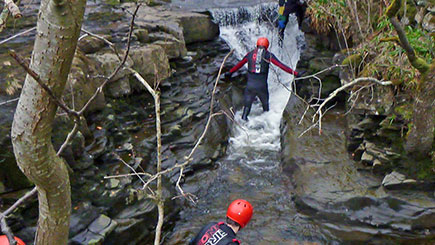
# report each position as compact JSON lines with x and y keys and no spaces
{"x":151,"y":62}
{"x":173,"y":49}
{"x":378,"y":167}
{"x":82,"y":83}
{"x":142,"y":35}
{"x":393,"y":179}
{"x":198,"y":28}
{"x":83,"y":163}
{"x":367,"y":124}
{"x":82,"y":215}
{"x":90,"y":44}
{"x":108,"y":63}
{"x":367,"y":158}
{"x":119,"y":88}
{"x":113,"y":183}
{"x":96,"y":231}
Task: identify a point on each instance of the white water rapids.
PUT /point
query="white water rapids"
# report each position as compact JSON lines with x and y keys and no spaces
{"x":240,"y":28}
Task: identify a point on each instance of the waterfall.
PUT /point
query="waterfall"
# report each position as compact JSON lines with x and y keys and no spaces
{"x":258,"y":140}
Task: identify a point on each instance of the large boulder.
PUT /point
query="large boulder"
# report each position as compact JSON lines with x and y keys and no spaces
{"x":151,"y":62}
{"x":328,"y":185}
{"x":188,"y":27}
{"x":82,"y":84}
{"x":198,"y":28}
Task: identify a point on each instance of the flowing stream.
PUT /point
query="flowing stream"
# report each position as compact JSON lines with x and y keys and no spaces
{"x":251,"y":168}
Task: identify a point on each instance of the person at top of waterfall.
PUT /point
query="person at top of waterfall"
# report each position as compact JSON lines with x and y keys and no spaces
{"x":258,"y":68}
{"x":239,"y":214}
{"x":286,"y":7}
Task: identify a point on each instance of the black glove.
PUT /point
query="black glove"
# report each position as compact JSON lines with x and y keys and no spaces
{"x":228,"y":75}
{"x":301,"y":74}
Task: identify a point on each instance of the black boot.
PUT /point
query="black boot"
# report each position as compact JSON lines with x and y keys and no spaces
{"x":246,"y":111}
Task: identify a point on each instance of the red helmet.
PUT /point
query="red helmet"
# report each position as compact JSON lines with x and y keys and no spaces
{"x":240,"y":211}
{"x":4,"y":240}
{"x":262,"y":41}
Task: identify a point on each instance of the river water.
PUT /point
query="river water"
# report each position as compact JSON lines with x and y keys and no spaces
{"x":251,"y":168}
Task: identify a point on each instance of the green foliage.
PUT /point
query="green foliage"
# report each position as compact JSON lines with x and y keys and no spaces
{"x":422,"y":43}
{"x":405,"y":111}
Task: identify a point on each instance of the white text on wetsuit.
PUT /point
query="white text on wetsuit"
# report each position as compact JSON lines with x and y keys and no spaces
{"x":217,"y":236}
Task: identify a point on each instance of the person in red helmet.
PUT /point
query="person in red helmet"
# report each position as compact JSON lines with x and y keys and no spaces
{"x":258,"y":69}
{"x":239,"y":214}
{"x":5,"y":241}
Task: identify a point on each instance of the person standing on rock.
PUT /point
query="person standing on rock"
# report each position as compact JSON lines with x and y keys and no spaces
{"x":239,"y":214}
{"x":286,"y":7}
{"x":258,"y":69}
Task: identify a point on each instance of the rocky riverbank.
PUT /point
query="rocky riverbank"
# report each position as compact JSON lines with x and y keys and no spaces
{"x":182,"y":51}
{"x":358,"y":181}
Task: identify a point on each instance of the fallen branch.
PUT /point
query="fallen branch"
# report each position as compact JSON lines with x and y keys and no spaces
{"x":319,"y":112}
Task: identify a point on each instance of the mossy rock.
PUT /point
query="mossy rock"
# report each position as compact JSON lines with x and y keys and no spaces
{"x":353,"y":60}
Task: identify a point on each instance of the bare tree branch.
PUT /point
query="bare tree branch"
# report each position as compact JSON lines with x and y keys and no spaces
{"x":421,"y":65}
{"x":7,"y":231}
{"x":111,"y":45}
{"x":35,"y":76}
{"x":121,"y":64}
{"x":319,"y":113}
{"x":8,"y":101}
{"x":16,"y":35}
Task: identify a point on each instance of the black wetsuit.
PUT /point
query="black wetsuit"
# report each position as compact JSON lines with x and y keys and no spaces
{"x":286,"y":7}
{"x":215,"y":234}
{"x":258,"y":69}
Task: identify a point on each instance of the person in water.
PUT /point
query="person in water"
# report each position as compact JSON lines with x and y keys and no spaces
{"x":286,"y":7}
{"x":239,"y":214}
{"x":258,"y":69}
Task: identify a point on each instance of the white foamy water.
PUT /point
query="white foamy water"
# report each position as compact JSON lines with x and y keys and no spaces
{"x":253,"y":141}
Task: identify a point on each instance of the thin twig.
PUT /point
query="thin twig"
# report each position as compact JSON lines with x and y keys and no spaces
{"x":121,"y":64}
{"x":68,"y":138}
{"x":8,"y":101}
{"x":6,"y":230}
{"x":111,"y":45}
{"x":17,"y":35}
{"x":126,"y":175}
{"x":188,"y":158}
{"x":335,"y":92}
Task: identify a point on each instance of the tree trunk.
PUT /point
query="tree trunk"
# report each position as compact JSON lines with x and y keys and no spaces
{"x":420,"y":139}
{"x":58,"y":28}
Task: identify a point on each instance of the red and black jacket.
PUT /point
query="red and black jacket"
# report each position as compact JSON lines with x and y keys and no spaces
{"x":258,"y":66}
{"x":215,"y":234}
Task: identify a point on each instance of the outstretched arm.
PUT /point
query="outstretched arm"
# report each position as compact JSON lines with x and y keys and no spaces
{"x":239,"y":65}
{"x":278,"y":63}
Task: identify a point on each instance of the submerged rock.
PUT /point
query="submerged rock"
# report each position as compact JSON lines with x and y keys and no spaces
{"x":96,"y":232}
